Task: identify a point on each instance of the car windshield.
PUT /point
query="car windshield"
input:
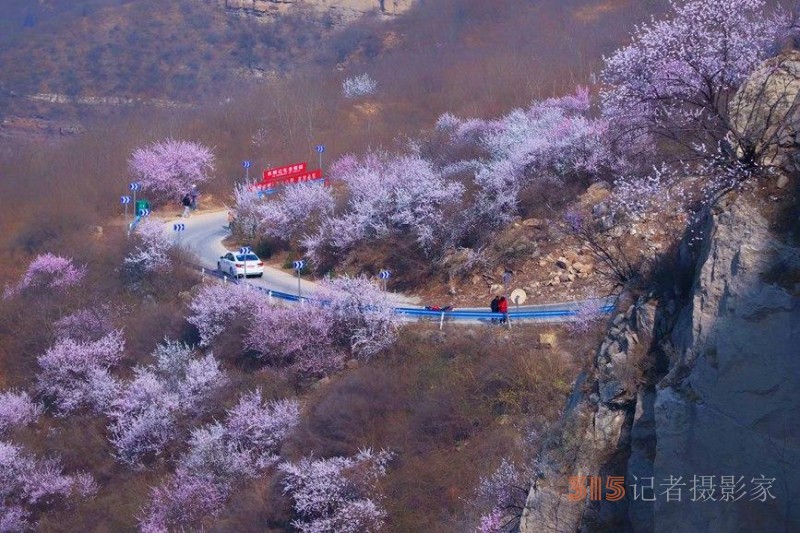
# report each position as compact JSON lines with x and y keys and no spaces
{"x":248,"y":257}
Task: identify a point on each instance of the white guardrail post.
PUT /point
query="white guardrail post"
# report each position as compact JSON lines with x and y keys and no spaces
{"x":441,"y":322}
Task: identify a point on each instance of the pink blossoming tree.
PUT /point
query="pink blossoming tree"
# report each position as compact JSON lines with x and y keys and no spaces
{"x":299,"y":337}
{"x":677,"y":76}
{"x":297,"y":210}
{"x":49,"y":272}
{"x":220,"y":457}
{"x":550,"y":141}
{"x":85,"y":325}
{"x":29,"y":485}
{"x":248,"y":210}
{"x":339,"y":494}
{"x":388,"y":195}
{"x":362,"y":316}
{"x":675,"y":84}
{"x":75,"y":374}
{"x":17,"y":409}
{"x":217,"y":305}
{"x":168,"y":169}
{"x":503,"y":493}
{"x":145,"y":413}
{"x":152,"y":248}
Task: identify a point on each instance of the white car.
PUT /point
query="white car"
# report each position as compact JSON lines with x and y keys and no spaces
{"x":240,"y":265}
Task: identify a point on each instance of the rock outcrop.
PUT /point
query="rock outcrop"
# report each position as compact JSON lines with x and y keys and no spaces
{"x":596,"y":434}
{"x":341,"y":9}
{"x":712,"y":413}
{"x":728,"y":405}
{"x":765,"y":114}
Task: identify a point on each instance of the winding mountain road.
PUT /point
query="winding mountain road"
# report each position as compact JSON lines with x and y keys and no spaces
{"x":204,"y":233}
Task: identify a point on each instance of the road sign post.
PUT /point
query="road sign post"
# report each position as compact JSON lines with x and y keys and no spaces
{"x":247,"y":165}
{"x":133,"y":186}
{"x":125,"y":200}
{"x":298,"y":266}
{"x":384,"y":275}
{"x":244,"y":250}
{"x":320,"y":151}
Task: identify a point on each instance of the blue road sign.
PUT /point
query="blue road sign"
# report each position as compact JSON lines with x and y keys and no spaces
{"x":385,"y":274}
{"x":298,"y":265}
{"x":320,"y":148}
{"x":179,"y":227}
{"x":144,"y":212}
{"x":125,"y":199}
{"x":247,"y":164}
{"x":135,"y":186}
{"x":245,"y":250}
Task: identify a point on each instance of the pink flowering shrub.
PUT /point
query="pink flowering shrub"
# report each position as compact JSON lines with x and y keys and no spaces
{"x":362,"y":316}
{"x":220,"y":457}
{"x":49,"y":272}
{"x":503,"y":493}
{"x":17,"y":409}
{"x":357,"y":86}
{"x":299,"y":337}
{"x":388,"y":195}
{"x":286,"y":215}
{"x":339,"y":494}
{"x":551,"y":140}
{"x":492,"y":522}
{"x":297,"y":210}
{"x":260,"y":426}
{"x":85,"y":325}
{"x":167,"y":169}
{"x":248,"y":210}
{"x":218,"y":304}
{"x":28,"y":485}
{"x":75,"y":374}
{"x":145,"y":413}
{"x":677,"y":75}
{"x":152,"y":248}
{"x":675,"y":82}
{"x":587,"y":314}
{"x":181,"y":500}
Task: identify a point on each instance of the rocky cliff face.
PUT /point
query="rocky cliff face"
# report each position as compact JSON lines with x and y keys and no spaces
{"x":721,"y":392}
{"x":729,"y":403}
{"x":340,"y":9}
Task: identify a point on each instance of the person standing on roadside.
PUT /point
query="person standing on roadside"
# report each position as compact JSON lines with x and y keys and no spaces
{"x":495,"y":307}
{"x":186,"y":201}
{"x":193,"y":194}
{"x":502,"y":307}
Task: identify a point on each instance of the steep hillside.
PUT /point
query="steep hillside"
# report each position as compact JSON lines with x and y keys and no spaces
{"x":698,"y":377}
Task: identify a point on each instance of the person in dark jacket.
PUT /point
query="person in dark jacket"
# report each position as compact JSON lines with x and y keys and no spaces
{"x":495,"y":307}
{"x":186,"y":202}
{"x":502,"y":307}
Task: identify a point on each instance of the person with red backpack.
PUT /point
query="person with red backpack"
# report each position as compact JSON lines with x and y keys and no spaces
{"x":502,"y":308}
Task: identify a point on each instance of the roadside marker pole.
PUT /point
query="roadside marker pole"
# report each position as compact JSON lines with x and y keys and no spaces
{"x":245,"y":250}
{"x":320,"y":150}
{"x":298,"y":266}
{"x":441,"y":322}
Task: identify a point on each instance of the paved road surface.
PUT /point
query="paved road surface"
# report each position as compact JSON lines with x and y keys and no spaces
{"x":203,"y":237}
{"x":204,"y":234}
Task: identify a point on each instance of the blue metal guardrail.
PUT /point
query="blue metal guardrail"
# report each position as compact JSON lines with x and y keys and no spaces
{"x":412,"y":311}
